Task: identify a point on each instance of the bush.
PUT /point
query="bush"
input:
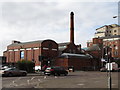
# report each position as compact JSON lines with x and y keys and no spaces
{"x":26,"y":65}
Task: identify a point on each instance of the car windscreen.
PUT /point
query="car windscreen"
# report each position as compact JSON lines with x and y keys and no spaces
{"x":48,"y":68}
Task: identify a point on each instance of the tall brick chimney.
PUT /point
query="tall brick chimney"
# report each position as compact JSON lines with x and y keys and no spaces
{"x":71,"y":27}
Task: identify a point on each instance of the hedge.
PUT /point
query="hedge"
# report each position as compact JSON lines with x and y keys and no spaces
{"x":26,"y":65}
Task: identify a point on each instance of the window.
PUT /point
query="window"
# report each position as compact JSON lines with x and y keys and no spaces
{"x":15,"y":49}
{"x":115,"y":30}
{"x":54,"y":49}
{"x":116,"y":47}
{"x":21,"y":54}
{"x":45,"y":48}
{"x":28,"y":48}
{"x":116,"y":53}
{"x":10,"y":50}
{"x":35,"y":48}
{"x":22,"y":49}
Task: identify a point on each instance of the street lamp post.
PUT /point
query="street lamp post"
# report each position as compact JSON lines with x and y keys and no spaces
{"x":109,"y":68}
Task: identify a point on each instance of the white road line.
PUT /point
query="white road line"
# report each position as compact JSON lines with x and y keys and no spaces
{"x":28,"y":81}
{"x":14,"y":84}
{"x":56,"y":77}
{"x":45,"y":77}
{"x":32,"y":78}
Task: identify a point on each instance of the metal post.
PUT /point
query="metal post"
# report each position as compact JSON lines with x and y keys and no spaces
{"x":109,"y":78}
{"x":109,"y":69}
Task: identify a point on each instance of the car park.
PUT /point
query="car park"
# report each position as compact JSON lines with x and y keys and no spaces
{"x":13,"y":72}
{"x":55,"y":70}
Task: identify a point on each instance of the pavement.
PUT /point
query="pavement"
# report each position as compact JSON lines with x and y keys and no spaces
{"x":77,"y":79}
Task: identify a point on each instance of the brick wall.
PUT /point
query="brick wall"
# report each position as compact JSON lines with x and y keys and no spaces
{"x":71,"y":48}
{"x":78,"y":63}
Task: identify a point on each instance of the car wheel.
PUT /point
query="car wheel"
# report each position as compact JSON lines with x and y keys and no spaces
{"x":24,"y":74}
{"x":55,"y":74}
{"x":58,"y":74}
{"x":10,"y":74}
{"x":65,"y":74}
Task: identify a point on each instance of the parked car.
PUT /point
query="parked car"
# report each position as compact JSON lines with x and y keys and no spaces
{"x":55,"y":70}
{"x":113,"y":70}
{"x":116,"y":70}
{"x":103,"y":69}
{"x":4,"y":67}
{"x":13,"y":72}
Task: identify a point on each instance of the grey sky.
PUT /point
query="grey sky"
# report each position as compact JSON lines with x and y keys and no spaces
{"x":29,"y":21}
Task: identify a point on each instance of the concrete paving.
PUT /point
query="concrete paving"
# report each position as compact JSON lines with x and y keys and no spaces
{"x":77,"y":79}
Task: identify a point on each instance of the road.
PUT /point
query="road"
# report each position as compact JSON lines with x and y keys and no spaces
{"x":77,"y":79}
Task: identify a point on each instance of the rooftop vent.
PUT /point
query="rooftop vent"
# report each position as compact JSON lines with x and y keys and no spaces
{"x":14,"y":41}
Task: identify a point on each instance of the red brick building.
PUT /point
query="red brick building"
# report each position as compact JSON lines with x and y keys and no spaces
{"x":95,"y":47}
{"x":31,"y":51}
{"x":107,"y":35}
{"x":113,"y":42}
{"x":78,"y":61}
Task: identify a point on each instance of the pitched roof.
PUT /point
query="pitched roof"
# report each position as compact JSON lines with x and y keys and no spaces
{"x":112,"y":25}
{"x":23,"y":43}
{"x":95,"y":47}
{"x":62,"y":46}
{"x":67,"y":55}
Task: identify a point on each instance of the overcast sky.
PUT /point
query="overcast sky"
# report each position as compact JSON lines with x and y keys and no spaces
{"x":30,"y":21}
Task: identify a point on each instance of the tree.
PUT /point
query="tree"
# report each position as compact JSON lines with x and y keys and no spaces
{"x":26,"y":65}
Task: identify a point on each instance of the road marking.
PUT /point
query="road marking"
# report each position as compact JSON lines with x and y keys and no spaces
{"x":45,"y":77}
{"x":56,"y":77}
{"x":39,"y":80}
{"x":14,"y":84}
{"x":28,"y":81}
{"x":32,"y":78}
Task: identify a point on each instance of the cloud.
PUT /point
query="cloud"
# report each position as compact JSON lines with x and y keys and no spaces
{"x":29,"y":21}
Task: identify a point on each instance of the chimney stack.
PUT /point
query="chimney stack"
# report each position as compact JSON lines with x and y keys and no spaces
{"x":71,"y":27}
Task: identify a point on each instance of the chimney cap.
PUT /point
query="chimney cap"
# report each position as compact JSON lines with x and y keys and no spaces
{"x":72,"y":13}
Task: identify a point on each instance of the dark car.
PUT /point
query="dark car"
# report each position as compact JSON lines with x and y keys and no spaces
{"x":103,"y":69}
{"x":55,"y":70}
{"x":13,"y":72}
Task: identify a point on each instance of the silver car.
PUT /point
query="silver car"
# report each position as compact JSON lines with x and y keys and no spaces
{"x":13,"y":72}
